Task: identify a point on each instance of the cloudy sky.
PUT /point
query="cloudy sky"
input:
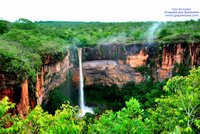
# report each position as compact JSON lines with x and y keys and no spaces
{"x":94,"y":10}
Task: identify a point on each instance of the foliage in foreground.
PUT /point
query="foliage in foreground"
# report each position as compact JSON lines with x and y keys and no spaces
{"x":64,"y":121}
{"x":127,"y":120}
{"x":181,"y":106}
{"x":176,"y":112}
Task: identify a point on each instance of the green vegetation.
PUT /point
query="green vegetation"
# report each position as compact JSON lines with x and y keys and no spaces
{"x":105,"y":97}
{"x":180,"y":70}
{"x":4,"y":26}
{"x":38,"y":121}
{"x":24,"y":44}
{"x":176,"y":32}
{"x":142,"y":108}
{"x":175,"y":112}
{"x":56,"y":99}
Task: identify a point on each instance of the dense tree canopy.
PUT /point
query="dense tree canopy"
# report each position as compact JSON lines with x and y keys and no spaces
{"x":27,"y":43}
{"x":176,"y":112}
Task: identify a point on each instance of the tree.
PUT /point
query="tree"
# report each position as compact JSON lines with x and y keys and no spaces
{"x":181,"y":106}
{"x":4,"y":26}
{"x":128,"y":120}
{"x":65,"y":120}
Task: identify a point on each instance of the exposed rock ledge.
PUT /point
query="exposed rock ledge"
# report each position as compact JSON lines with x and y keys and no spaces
{"x":100,"y":64}
{"x":105,"y":72}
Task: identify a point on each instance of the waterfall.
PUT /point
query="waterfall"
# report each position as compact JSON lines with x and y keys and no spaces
{"x":83,"y":109}
{"x":82,"y":102}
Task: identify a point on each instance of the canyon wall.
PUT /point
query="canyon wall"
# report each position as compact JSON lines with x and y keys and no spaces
{"x":50,"y":76}
{"x":106,"y":65}
{"x":186,"y":54}
{"x":23,"y":106}
{"x":105,"y":72}
{"x":117,"y":64}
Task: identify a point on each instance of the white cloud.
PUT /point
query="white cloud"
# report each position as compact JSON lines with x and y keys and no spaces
{"x":93,"y":10}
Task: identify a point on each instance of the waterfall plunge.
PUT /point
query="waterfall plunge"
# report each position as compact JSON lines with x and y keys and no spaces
{"x":83,"y":109}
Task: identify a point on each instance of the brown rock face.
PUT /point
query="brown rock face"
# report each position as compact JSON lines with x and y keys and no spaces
{"x":39,"y":87}
{"x":23,"y":106}
{"x":195,"y":54}
{"x":137,"y":60}
{"x":179,"y":51}
{"x":52,"y":75}
{"x":169,"y":58}
{"x":105,"y":72}
{"x":7,"y":92}
{"x":168,"y":63}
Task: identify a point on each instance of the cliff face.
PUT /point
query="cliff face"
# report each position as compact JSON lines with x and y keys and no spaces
{"x":138,"y":59}
{"x":105,"y":72}
{"x":23,"y":106}
{"x":111,"y":64}
{"x":178,"y":55}
{"x":50,"y":76}
{"x":195,"y":54}
{"x":39,"y":87}
{"x":125,"y":59}
{"x":107,"y":65}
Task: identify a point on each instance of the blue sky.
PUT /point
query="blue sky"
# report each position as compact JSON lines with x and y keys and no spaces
{"x":94,"y":10}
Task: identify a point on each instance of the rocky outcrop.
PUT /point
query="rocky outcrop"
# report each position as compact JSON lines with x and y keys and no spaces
{"x":39,"y":87}
{"x":179,"y":52}
{"x":138,"y":55}
{"x":138,"y":59}
{"x":52,"y":75}
{"x":111,"y":52}
{"x":178,"y":55}
{"x":126,"y":57}
{"x":195,"y":54}
{"x":105,"y":72}
{"x":23,"y":106}
{"x":165,"y":71}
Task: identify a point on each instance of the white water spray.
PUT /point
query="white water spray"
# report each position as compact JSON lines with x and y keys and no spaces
{"x":83,"y":109}
{"x":152,"y":32}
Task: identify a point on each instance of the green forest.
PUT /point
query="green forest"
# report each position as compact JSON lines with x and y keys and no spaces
{"x":25,"y":44}
{"x":176,"y":111}
{"x":169,"y":107}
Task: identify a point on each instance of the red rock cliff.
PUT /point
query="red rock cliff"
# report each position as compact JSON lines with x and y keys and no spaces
{"x":137,"y":59}
{"x":52,"y":75}
{"x":23,"y":106}
{"x":39,"y":87}
{"x":169,"y":58}
{"x":194,"y":53}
